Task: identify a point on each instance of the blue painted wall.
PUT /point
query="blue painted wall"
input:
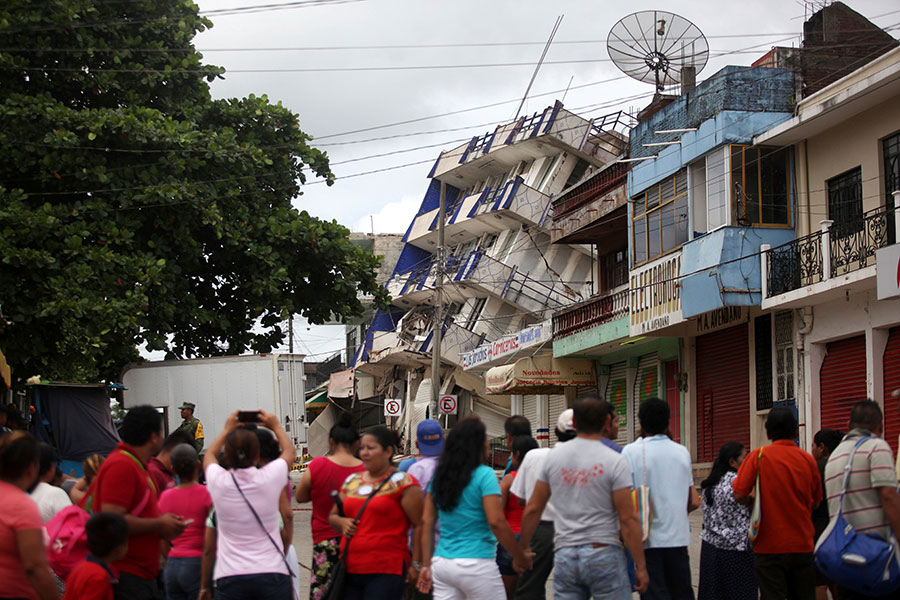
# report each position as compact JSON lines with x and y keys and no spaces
{"x":701,"y":292}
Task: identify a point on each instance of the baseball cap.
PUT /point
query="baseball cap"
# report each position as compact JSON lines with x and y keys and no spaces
{"x":430,"y":437}
{"x":566,"y":420}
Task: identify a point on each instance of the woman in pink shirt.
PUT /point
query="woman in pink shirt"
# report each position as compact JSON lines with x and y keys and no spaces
{"x":24,"y":572}
{"x":191,"y":501}
{"x":324,"y":475}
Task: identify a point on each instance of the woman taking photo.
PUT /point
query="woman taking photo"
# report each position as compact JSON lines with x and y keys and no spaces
{"x":324,"y":475}
{"x":378,"y":561}
{"x":24,"y":572}
{"x":726,"y":557}
{"x":250,"y":561}
{"x":465,"y":496}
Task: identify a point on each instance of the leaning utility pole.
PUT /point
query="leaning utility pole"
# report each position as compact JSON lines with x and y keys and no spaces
{"x":438,"y":308}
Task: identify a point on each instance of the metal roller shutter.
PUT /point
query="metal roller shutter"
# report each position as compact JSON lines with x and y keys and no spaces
{"x":646,"y":385}
{"x":842,"y":381}
{"x":556,"y":405}
{"x":529,"y":409}
{"x":891,"y":385}
{"x":493,"y":418}
{"x":723,"y":390}
{"x":617,"y":393}
{"x":584,"y":390}
{"x":421,"y":403}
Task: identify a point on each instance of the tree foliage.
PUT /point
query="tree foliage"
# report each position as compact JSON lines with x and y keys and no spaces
{"x":135,"y":209}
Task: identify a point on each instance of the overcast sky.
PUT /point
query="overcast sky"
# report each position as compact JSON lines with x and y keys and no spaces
{"x":337,"y":99}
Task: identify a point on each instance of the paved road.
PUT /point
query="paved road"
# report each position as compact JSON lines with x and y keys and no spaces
{"x":303,"y":544}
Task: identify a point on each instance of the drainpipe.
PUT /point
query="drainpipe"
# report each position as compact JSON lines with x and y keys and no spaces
{"x":804,"y":407}
{"x":805,"y":203}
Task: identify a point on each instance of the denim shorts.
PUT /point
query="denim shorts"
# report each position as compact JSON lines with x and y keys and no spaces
{"x":505,"y":560}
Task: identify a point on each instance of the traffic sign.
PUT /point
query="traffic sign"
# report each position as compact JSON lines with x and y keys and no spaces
{"x":447,"y":404}
{"x":391,"y":407}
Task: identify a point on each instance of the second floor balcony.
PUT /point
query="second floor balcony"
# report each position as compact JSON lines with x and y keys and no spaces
{"x":838,"y":255}
{"x":577,"y":212}
{"x":591,"y":313}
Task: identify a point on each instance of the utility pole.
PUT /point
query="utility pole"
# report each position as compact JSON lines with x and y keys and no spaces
{"x":290,"y":334}
{"x":438,"y":308}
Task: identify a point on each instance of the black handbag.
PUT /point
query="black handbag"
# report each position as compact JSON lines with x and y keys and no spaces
{"x":334,"y":587}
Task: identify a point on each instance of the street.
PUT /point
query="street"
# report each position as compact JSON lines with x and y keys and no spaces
{"x":303,"y":545}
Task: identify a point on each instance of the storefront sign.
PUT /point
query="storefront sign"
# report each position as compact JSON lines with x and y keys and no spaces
{"x":656,"y":295}
{"x":532,"y":336}
{"x":887,"y":268}
{"x":541,"y":374}
{"x":720,"y":318}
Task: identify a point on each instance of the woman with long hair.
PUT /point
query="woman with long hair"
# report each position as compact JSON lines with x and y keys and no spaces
{"x":378,"y":561}
{"x":191,"y":500}
{"x":324,"y":475}
{"x":465,"y":496}
{"x":250,"y":562}
{"x":726,"y":556}
{"x":24,"y":571}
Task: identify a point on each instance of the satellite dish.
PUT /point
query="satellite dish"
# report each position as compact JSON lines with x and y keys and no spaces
{"x":654,"y":46}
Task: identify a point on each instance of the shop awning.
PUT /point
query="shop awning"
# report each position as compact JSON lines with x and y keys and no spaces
{"x":341,"y":384}
{"x":539,"y":375}
{"x":320,"y":400}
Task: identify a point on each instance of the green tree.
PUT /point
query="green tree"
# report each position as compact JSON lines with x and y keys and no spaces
{"x":135,"y":209}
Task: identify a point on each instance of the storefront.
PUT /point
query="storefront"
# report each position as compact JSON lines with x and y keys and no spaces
{"x":891,"y":376}
{"x":842,"y":381}
{"x":722,"y":363}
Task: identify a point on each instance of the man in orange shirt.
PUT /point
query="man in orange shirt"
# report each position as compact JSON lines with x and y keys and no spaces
{"x":790,"y":488}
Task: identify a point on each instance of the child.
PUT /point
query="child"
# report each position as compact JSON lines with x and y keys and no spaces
{"x":107,"y":540}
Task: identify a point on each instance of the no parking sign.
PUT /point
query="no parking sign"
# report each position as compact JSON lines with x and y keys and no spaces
{"x":447,"y":404}
{"x":391,"y":407}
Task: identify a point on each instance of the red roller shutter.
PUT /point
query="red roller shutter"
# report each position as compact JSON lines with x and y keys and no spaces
{"x":892,"y":384}
{"x":842,"y":381}
{"x":723,"y":390}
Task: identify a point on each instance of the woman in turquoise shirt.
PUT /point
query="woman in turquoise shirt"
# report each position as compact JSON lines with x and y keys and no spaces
{"x":465,"y":496}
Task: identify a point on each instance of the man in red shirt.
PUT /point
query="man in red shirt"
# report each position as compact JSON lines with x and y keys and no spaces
{"x":124,"y":487}
{"x":790,"y":488}
{"x":160,"y":466}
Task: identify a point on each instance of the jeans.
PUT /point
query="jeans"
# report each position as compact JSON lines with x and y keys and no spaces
{"x":374,"y":586}
{"x":182,"y":578}
{"x":262,"y":586}
{"x":132,"y":587}
{"x":584,"y":572}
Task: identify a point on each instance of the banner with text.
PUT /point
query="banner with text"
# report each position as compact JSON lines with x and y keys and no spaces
{"x":532,"y":336}
{"x":655,"y":295}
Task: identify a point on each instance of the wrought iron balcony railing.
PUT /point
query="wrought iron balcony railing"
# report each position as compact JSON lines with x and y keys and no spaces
{"x":837,"y":249}
{"x":590,"y":313}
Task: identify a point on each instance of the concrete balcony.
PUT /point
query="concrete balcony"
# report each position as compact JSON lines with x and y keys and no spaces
{"x":477,"y":275}
{"x":593,"y":326}
{"x":545,"y":133}
{"x":827,"y":263}
{"x":490,"y":211}
{"x":579,"y":213}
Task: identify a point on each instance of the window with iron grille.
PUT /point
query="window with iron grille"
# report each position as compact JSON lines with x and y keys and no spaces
{"x":784,"y":356}
{"x":762,"y":327}
{"x":845,"y":206}
{"x":891,"y":151}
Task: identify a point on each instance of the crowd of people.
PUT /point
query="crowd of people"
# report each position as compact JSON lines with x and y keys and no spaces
{"x":163,"y":522}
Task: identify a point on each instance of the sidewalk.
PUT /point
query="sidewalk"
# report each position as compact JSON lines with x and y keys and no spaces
{"x":303,"y":545}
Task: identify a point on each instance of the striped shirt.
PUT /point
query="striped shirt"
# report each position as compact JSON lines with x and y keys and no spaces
{"x":873,"y":467}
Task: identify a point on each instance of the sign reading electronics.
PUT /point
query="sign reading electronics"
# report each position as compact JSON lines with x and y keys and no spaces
{"x":655,"y":295}
{"x":532,"y":336}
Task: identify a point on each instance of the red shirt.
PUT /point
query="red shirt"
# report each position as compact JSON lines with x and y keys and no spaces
{"x":790,"y":486}
{"x":326,"y":476}
{"x":513,"y":510}
{"x":88,"y":581}
{"x":162,"y":476}
{"x":382,"y":535}
{"x":123,"y":481}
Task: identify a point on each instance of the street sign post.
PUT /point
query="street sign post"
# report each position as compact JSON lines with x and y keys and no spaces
{"x":391,"y":407}
{"x":447,"y":404}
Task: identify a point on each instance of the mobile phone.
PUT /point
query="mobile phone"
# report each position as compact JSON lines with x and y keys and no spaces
{"x":248,"y":416}
{"x":188,"y":521}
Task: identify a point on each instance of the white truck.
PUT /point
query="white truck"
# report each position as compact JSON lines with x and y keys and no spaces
{"x":219,"y":386}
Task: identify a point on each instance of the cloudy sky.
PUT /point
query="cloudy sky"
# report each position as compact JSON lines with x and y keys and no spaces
{"x":386,"y":83}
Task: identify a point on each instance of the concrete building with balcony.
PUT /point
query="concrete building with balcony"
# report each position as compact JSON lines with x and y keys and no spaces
{"x":845,"y":342}
{"x":502,"y":277}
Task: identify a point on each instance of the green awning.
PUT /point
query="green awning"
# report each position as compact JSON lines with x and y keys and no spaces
{"x":320,"y":400}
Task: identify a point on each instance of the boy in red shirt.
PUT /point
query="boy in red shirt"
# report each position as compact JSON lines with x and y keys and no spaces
{"x":107,"y":540}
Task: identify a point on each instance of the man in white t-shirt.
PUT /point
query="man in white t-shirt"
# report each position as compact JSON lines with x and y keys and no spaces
{"x":532,"y":585}
{"x":592,"y":487}
{"x":49,"y":498}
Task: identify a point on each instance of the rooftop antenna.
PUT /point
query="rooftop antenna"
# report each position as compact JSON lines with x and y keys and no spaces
{"x":654,"y":46}
{"x":540,"y":62}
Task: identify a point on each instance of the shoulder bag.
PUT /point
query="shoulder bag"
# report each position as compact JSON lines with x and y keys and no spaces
{"x":641,"y":497}
{"x":862,"y":562}
{"x":756,"y":513}
{"x":334,"y":587}
{"x":266,"y":531}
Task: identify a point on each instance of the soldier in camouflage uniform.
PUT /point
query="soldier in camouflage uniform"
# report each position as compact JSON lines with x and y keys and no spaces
{"x":191,"y":424}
